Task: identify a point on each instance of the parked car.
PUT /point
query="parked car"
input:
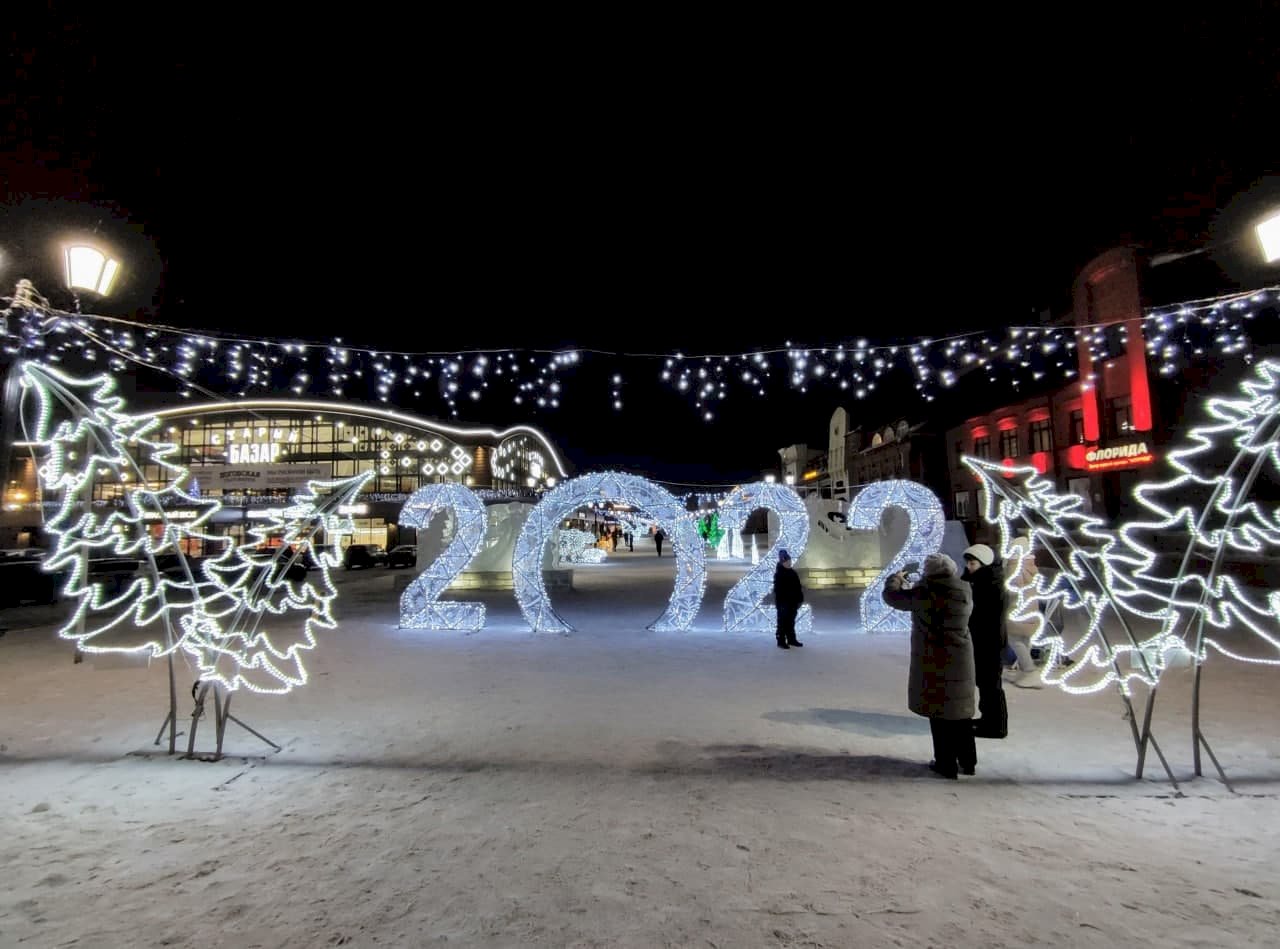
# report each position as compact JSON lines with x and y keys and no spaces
{"x":364,"y":555}
{"x":23,"y":577}
{"x":403,"y":556}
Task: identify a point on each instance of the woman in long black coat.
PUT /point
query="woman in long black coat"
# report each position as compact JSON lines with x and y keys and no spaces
{"x":940,"y":684}
{"x":986,"y":629}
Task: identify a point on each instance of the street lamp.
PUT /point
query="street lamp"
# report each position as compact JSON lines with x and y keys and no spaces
{"x":1268,"y":231}
{"x":90,"y":269}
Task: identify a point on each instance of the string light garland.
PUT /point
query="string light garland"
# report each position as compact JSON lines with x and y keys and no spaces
{"x":541,"y":380}
{"x":926,"y":523}
{"x":635,"y":492}
{"x":420,"y":606}
{"x":744,"y":607}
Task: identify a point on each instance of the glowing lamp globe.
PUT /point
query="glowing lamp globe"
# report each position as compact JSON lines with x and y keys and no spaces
{"x":90,"y":269}
{"x":1269,"y":237}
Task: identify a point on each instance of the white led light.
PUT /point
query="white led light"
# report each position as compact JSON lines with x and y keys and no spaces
{"x":924,"y":537}
{"x":1088,"y":582}
{"x":744,"y":607}
{"x":1208,"y":502}
{"x":226,"y":637}
{"x":100,"y":427}
{"x":420,"y":606}
{"x":636,"y":492}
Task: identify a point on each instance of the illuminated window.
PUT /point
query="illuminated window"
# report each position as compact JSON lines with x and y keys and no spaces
{"x":1009,"y":443}
{"x":1042,"y":435}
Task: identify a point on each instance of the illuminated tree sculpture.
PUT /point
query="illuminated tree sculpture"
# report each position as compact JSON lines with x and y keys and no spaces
{"x":89,"y":440}
{"x":1211,"y":504}
{"x":1212,"y":507}
{"x":266,"y":578}
{"x":1086,"y":585}
{"x":1033,"y":515}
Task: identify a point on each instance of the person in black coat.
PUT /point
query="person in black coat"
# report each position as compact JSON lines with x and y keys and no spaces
{"x":986,"y":630}
{"x":658,"y":537}
{"x":788,"y":595}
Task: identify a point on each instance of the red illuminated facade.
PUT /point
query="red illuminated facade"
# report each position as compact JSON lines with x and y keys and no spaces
{"x":1095,"y":436}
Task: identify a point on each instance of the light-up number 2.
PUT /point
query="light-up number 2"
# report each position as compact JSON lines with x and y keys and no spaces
{"x":420,"y":606}
{"x":924,"y":537}
{"x":743,"y":609}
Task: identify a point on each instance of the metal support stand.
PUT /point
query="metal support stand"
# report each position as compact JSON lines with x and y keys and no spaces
{"x":1197,"y":736}
{"x":221,"y":715}
{"x":171,"y":719}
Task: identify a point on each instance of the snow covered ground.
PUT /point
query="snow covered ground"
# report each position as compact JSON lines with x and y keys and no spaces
{"x":617,"y":787}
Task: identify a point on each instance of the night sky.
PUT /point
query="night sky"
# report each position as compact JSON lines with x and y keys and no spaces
{"x":419,"y":186}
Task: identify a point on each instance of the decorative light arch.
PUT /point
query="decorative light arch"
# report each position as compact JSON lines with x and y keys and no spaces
{"x":557,"y":504}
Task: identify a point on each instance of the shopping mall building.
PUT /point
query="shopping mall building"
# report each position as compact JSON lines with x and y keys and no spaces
{"x":254,"y":454}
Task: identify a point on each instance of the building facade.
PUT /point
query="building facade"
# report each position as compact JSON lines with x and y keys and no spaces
{"x":1094,"y":437}
{"x":253,"y":455}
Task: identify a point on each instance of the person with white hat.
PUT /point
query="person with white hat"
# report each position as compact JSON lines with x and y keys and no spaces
{"x":986,"y":630}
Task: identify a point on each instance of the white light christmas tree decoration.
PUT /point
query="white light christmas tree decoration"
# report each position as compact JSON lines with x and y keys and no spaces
{"x":577,"y":546}
{"x":1087,"y":583}
{"x":924,"y":537}
{"x":1210,"y":503}
{"x":744,"y":607}
{"x":252,"y":582}
{"x":722,"y":548}
{"x":636,"y":492}
{"x":755,"y":551}
{"x":90,"y":440}
{"x":420,"y":604}
{"x":736,"y":550}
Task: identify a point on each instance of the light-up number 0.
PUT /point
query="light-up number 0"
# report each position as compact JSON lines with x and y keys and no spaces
{"x":924,"y":537}
{"x":420,"y":606}
{"x":556,"y":505}
{"x":743,"y":609}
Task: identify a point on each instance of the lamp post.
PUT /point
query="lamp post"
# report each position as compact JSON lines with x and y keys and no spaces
{"x":1268,"y":232}
{"x":88,"y":268}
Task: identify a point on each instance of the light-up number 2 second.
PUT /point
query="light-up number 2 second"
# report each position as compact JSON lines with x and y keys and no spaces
{"x":924,"y":537}
{"x":420,"y":606}
{"x":743,"y":607}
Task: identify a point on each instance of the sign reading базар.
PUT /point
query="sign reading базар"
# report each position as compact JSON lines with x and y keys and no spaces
{"x":259,"y":477}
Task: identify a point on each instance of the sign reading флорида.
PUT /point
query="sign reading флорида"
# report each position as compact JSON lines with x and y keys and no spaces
{"x":1126,"y":455}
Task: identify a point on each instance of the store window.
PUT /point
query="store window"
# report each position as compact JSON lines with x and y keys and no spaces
{"x":962,"y":511}
{"x":370,"y":530}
